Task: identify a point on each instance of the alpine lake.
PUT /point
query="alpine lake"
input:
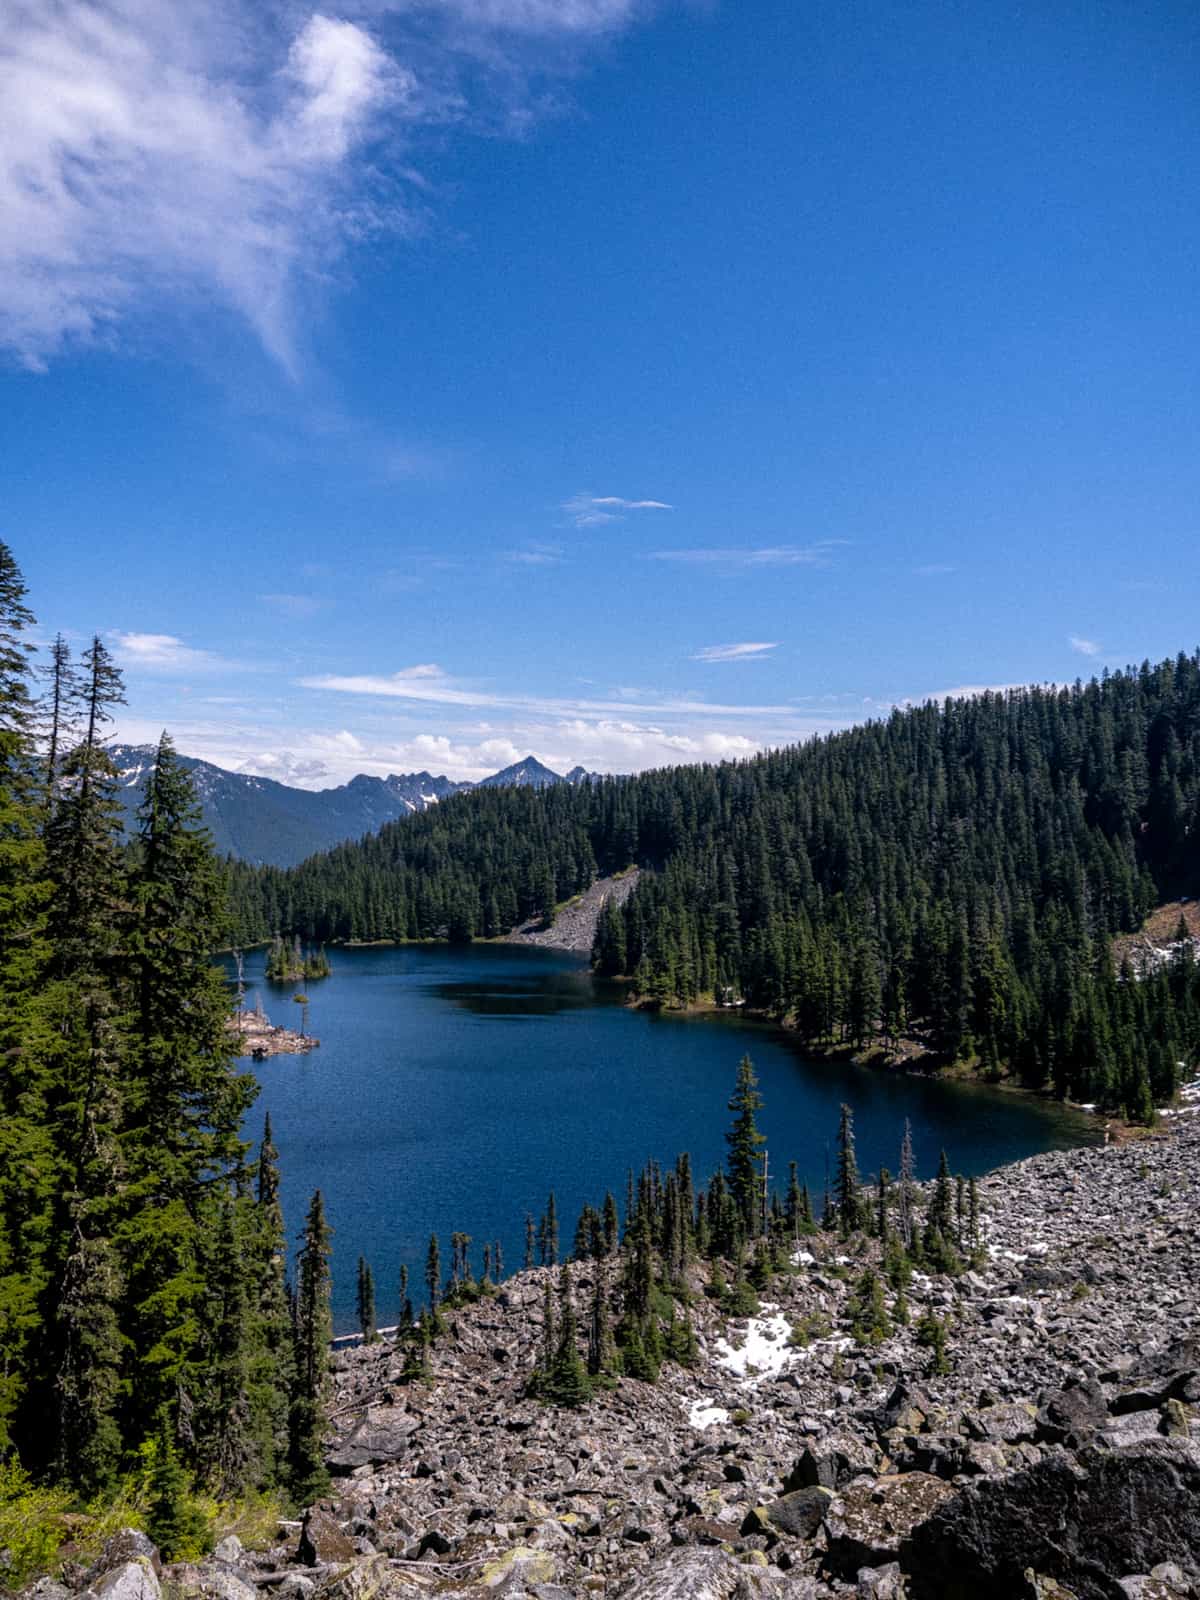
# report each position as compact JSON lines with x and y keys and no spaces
{"x":454,"y":1087}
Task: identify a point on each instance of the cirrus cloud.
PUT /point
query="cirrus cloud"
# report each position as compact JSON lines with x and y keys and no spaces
{"x":734,"y":652}
{"x":152,"y":147}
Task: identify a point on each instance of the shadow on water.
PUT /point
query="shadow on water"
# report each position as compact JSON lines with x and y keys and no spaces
{"x":454,"y":1088}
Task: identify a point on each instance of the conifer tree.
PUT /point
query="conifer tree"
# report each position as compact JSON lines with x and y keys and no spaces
{"x":744,"y":1142}
{"x":612,"y":1227}
{"x":309,"y":1476}
{"x":433,"y":1280}
{"x":908,"y":1172}
{"x":365,"y":1303}
{"x":567,"y":1380}
{"x":849,"y":1202}
{"x":30,"y":1171}
{"x":602,"y":1348}
{"x":551,"y":1231}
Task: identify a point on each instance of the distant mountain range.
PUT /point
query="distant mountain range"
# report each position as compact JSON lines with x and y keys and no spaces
{"x":272,"y":823}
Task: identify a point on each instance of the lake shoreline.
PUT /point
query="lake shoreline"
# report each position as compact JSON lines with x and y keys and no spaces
{"x":878,"y":1059}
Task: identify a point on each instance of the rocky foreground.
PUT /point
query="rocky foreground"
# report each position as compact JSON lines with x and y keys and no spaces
{"x":1059,"y":1456}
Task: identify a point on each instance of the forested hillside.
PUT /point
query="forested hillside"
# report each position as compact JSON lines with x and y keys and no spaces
{"x":952,"y":875}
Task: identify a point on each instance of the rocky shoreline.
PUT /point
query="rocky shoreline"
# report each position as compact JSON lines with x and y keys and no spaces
{"x":258,"y":1037}
{"x":1057,"y":1455}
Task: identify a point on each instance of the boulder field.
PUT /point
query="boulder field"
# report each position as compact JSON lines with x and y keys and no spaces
{"x":1058,"y":1456}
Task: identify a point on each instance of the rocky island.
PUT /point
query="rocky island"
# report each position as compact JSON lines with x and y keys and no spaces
{"x":1049,"y":1448}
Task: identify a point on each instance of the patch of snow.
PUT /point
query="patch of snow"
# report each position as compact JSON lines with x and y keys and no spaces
{"x":804,"y":1258}
{"x":765,"y":1350}
{"x":701,"y":1415}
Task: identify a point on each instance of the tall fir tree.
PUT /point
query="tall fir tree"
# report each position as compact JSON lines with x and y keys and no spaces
{"x":314,"y":1329}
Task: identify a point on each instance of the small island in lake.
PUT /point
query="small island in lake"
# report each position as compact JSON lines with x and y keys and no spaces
{"x":289,"y":963}
{"x":260,"y":1037}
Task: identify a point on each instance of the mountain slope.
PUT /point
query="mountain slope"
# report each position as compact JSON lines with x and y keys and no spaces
{"x":269,"y":823}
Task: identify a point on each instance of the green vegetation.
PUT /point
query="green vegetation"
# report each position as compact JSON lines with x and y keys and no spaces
{"x":146,"y":1343}
{"x":951,"y":878}
{"x":291,"y":962}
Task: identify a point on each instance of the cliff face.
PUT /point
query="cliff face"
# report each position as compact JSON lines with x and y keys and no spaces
{"x":1061,"y":1447}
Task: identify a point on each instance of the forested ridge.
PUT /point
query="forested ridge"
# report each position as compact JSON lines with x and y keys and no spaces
{"x":951,"y":876}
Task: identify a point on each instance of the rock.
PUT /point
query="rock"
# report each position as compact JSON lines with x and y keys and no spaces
{"x":1002,"y":1424}
{"x":129,"y":1544}
{"x":1085,"y":1522}
{"x":517,"y":1569}
{"x":46,"y":1589}
{"x":1131,"y":1427}
{"x":225,"y":1586}
{"x":229,"y":1549}
{"x":831,"y":1462}
{"x":373,"y":1444}
{"x":868,"y":1522}
{"x":132,"y":1580}
{"x":702,"y":1575}
{"x":1164,"y":1583}
{"x":322,"y":1540}
{"x":296,"y":1587}
{"x":1072,"y":1414}
{"x":881,"y":1583}
{"x":801,"y":1512}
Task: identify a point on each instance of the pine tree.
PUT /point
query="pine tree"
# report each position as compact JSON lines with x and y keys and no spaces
{"x":567,"y":1380}
{"x":433,"y":1280}
{"x":175,"y":1522}
{"x":908,"y":1173}
{"x":365,"y":1303}
{"x":744,"y":1142}
{"x":272,"y":1354}
{"x":868,"y":1310}
{"x":551,"y":1259}
{"x":309,"y":1476}
{"x":602,"y":1348}
{"x":849,"y":1202}
{"x":30,"y":1156}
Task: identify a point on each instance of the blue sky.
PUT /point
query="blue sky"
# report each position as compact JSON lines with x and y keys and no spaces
{"x":406,"y":385}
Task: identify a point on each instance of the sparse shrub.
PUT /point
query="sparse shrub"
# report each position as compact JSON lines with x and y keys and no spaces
{"x":31,"y":1524}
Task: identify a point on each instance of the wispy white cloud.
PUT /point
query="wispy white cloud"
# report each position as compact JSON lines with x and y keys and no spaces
{"x":541,"y":16}
{"x":734,"y":652}
{"x":537,"y":555}
{"x":292,"y":605}
{"x":466,"y":696}
{"x":166,"y":153}
{"x":1084,"y":647}
{"x":776,"y":555}
{"x":178,"y":146}
{"x":423,"y":669}
{"x":593,"y":510}
{"x":163,"y":653}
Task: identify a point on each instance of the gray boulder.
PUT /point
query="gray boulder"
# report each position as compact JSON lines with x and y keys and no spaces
{"x":801,"y":1512}
{"x":831,"y":1462}
{"x":132,"y":1580}
{"x":868,"y":1523}
{"x":322,"y":1540}
{"x":128,"y":1544}
{"x":705,"y":1575}
{"x":1085,"y":1522}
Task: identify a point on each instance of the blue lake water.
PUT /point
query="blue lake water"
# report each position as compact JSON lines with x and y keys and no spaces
{"x":453,"y":1088}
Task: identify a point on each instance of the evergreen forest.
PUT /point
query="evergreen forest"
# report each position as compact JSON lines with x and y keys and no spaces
{"x":947,"y":882}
